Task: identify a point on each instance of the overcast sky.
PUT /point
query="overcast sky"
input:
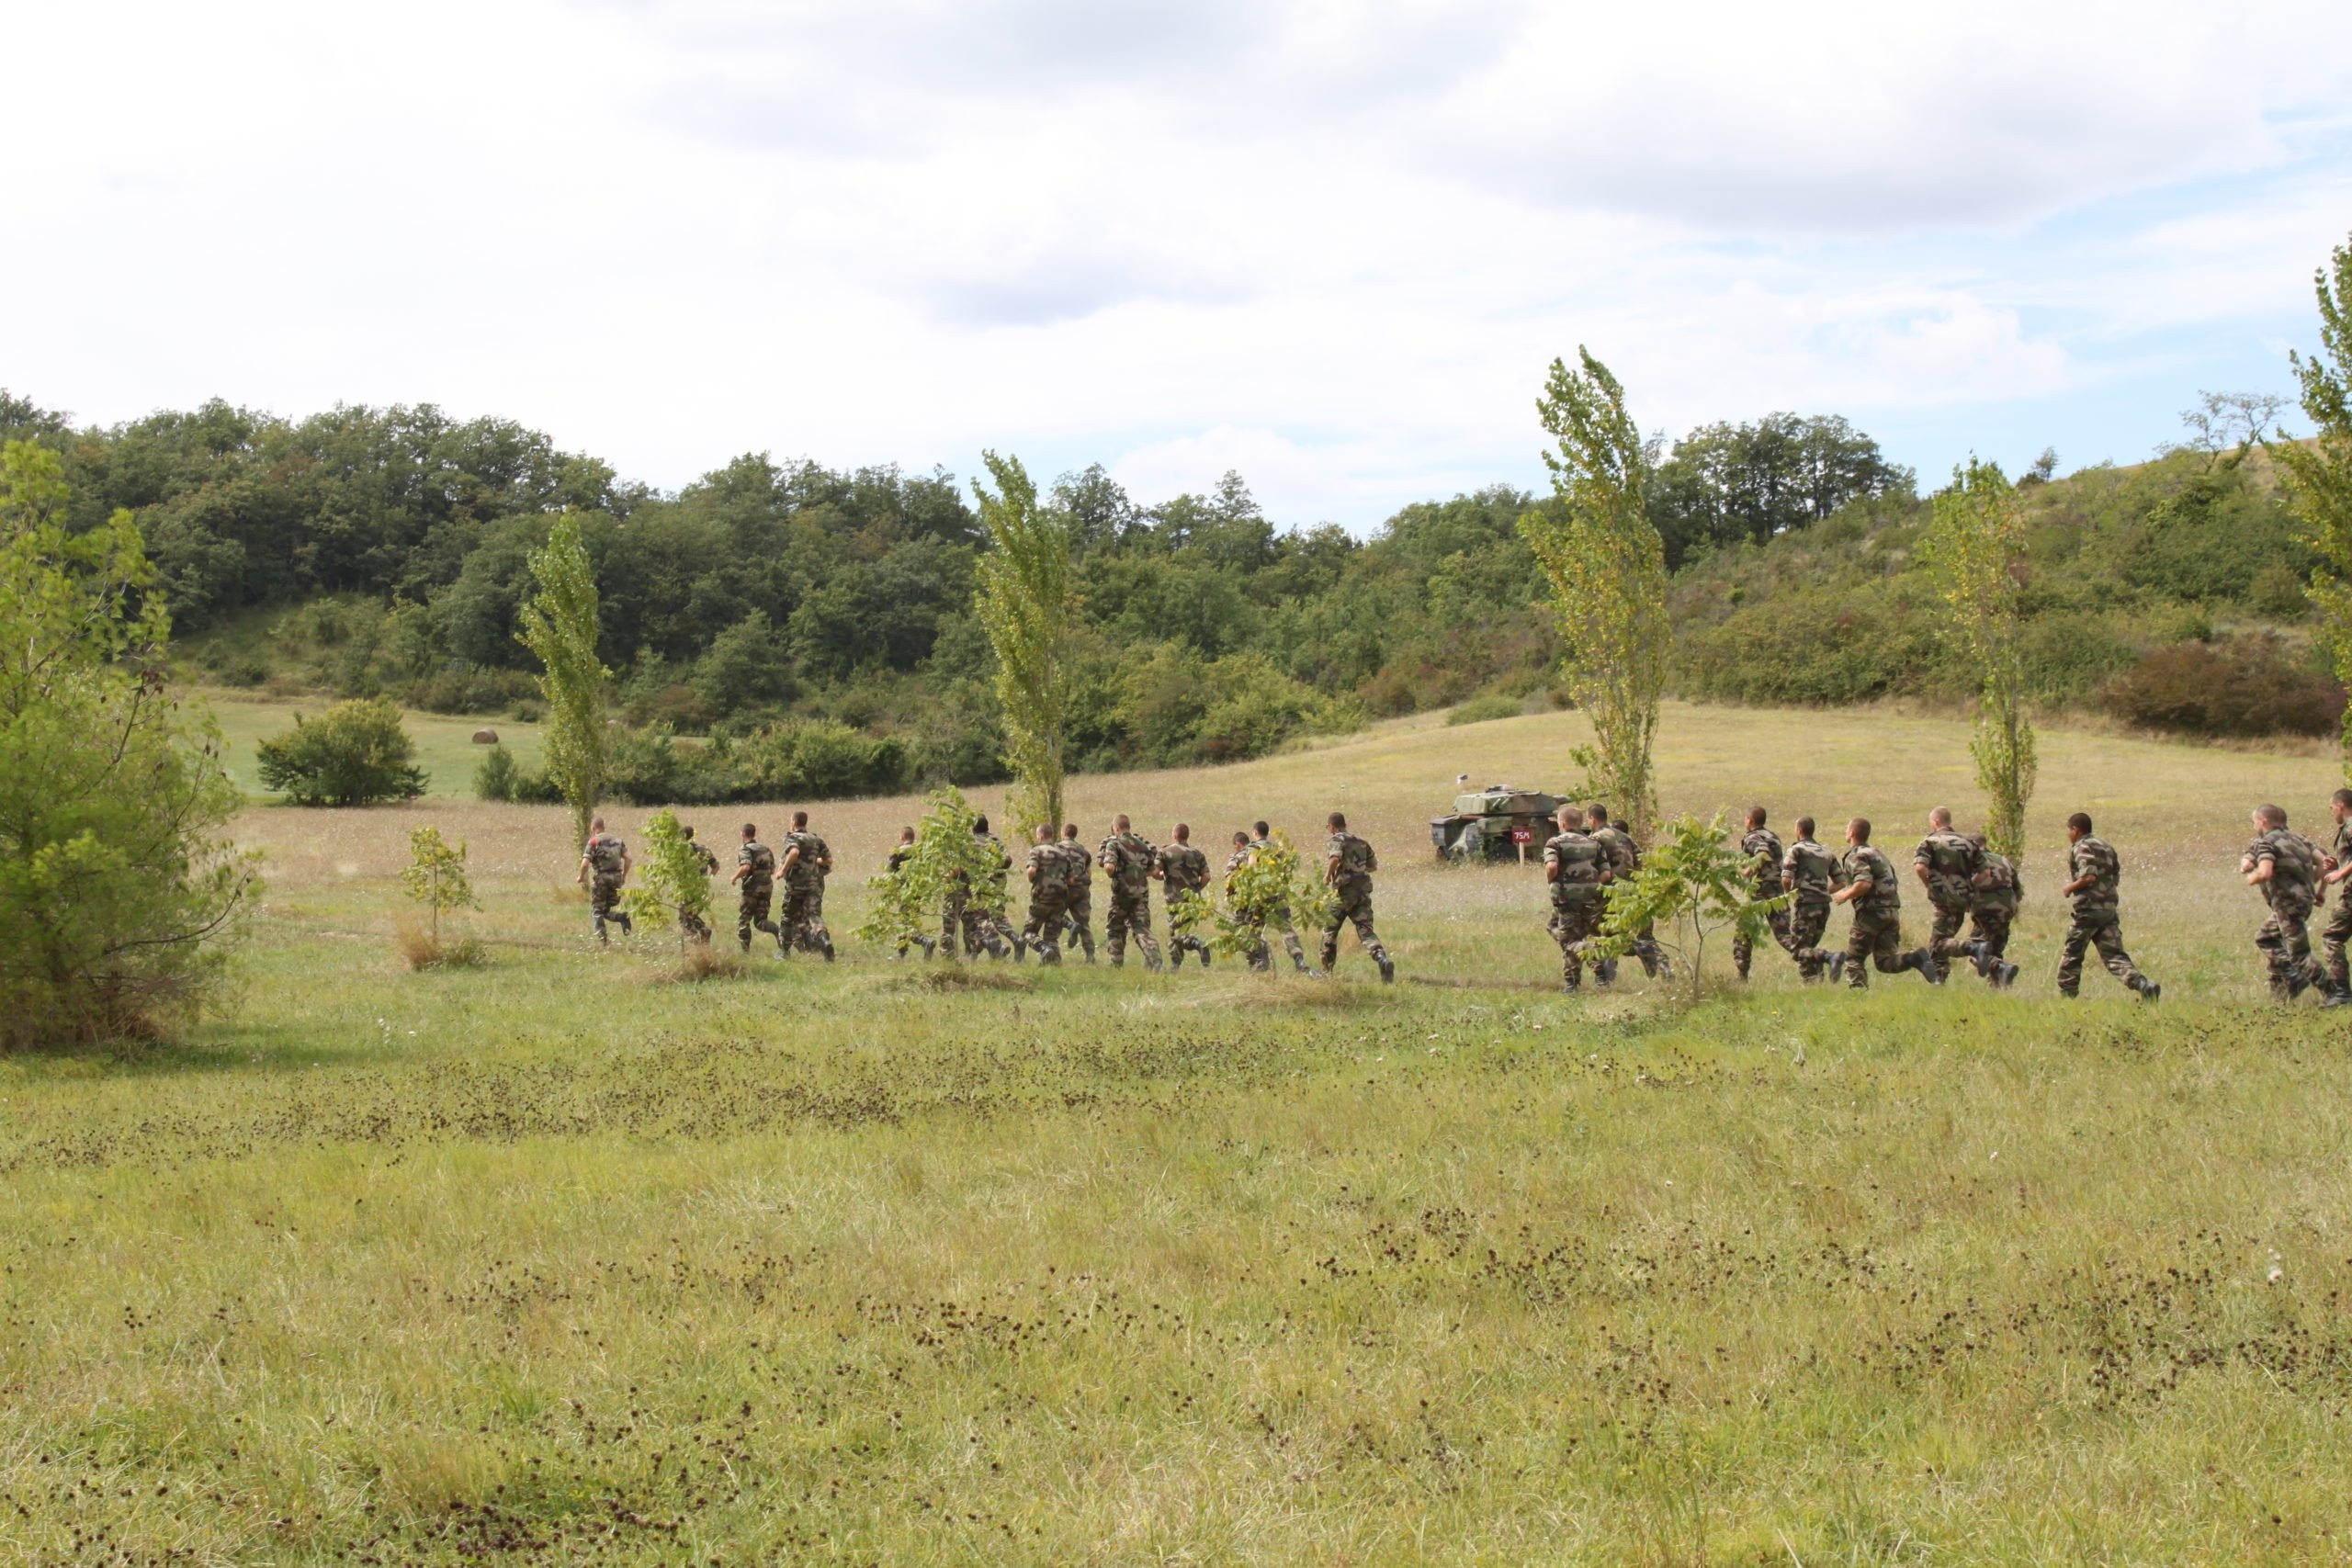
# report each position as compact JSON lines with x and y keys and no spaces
{"x":1333,"y":246}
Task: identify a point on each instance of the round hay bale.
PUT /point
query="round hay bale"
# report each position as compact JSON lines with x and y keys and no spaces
{"x":485,"y":738}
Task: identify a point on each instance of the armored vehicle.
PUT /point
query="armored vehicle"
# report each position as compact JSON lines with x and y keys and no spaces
{"x":1497,"y":823}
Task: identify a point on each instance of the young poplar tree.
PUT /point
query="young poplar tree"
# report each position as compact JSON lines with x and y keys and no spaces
{"x":1025,"y":604}
{"x":435,"y":875}
{"x":559,"y":625}
{"x":673,"y":885}
{"x":2319,"y":471}
{"x":1607,"y":567}
{"x":1976,"y":548}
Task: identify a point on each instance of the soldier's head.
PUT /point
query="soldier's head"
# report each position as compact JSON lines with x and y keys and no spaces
{"x":1240,"y":839}
{"x":800,"y":818}
{"x":906,"y":835}
{"x":750,"y":831}
{"x":1120,"y":824}
{"x":980,"y":823}
{"x":1858,"y":831}
{"x":1569,"y":817}
{"x":595,"y":824}
{"x":1804,"y":827}
{"x":2078,"y":826}
{"x":688,"y":833}
{"x":1069,"y":830}
{"x":1045,"y":834}
{"x":1597,"y":813}
{"x":2340,"y":803}
{"x":1259,"y":829}
{"x":1755,"y":818}
{"x":2268,"y":816}
{"x":1184,"y":833}
{"x":1940,"y":817}
{"x":1977,"y":840}
{"x":1338,"y":820}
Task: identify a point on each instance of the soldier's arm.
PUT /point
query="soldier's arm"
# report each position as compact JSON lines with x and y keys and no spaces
{"x":2263,"y":868}
{"x":1852,"y":891}
{"x":1331,"y":867}
{"x":581,"y":879}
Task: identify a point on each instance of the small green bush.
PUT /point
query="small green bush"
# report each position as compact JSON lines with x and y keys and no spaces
{"x":353,"y":754}
{"x":496,"y":777}
{"x":1478,"y":710}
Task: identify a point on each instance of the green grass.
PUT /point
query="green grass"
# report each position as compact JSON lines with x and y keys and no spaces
{"x":445,"y":746}
{"x":559,"y":1261}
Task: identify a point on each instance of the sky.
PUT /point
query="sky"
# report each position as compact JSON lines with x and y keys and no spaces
{"x":1332,"y":246}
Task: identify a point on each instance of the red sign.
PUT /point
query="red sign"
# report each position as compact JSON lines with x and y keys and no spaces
{"x":1522,"y":835}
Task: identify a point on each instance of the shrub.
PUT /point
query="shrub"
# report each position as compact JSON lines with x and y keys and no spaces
{"x":1478,"y":710}
{"x":497,"y":776}
{"x":2245,"y":687}
{"x":353,"y":754}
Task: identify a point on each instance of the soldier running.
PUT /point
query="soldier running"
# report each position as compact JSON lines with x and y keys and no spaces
{"x":1047,"y":872}
{"x":1811,"y":875}
{"x":1947,"y":863}
{"x":1992,"y":896}
{"x":2335,"y":866}
{"x":754,"y":879}
{"x":807,"y":862}
{"x":1077,"y":889}
{"x":896,"y":866}
{"x":962,"y":915}
{"x":2285,"y":866}
{"x":1577,"y":868}
{"x":1185,"y":871}
{"x":1130,"y":860}
{"x":1624,"y":859}
{"x":1877,"y":935}
{"x":606,"y":859}
{"x":696,"y":926}
{"x":1763,"y":849}
{"x":1347,"y":864}
{"x":1246,"y":849}
{"x":2094,"y":874}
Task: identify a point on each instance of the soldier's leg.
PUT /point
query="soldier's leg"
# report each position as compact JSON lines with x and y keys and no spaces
{"x":1861,"y":942}
{"x":2333,"y":938}
{"x":1564,"y":931}
{"x":1944,"y":934}
{"x":1139,"y":927}
{"x":1081,"y":921}
{"x":1043,"y":930}
{"x":1783,"y":928}
{"x":819,"y":934}
{"x":2109,"y":939}
{"x":1807,"y":922}
{"x":1742,"y":949}
{"x":1990,"y":930}
{"x":1646,"y":949}
{"x":1887,"y":955}
{"x":1290,"y":939}
{"x":2305,"y":969}
{"x":2070,"y":955}
{"x":1114,"y":932}
{"x":2271,"y":943}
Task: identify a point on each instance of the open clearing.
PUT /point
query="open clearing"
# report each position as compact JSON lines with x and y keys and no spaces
{"x":886,"y":1263}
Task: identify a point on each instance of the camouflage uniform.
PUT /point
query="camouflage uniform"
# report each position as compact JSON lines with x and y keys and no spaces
{"x":604,"y":855}
{"x":2339,"y":929}
{"x":1577,"y":902}
{"x":1951,"y":863}
{"x":1353,"y":884}
{"x":695,"y":925}
{"x":1877,"y":936}
{"x":896,"y":864}
{"x":1624,"y":859}
{"x":1185,"y":871}
{"x":1762,"y":848}
{"x":1277,"y":915}
{"x":1992,"y":910}
{"x":1130,"y":857}
{"x":1078,"y":893}
{"x":1048,"y":901}
{"x":2293,"y":892}
{"x":1811,"y":874}
{"x":757,"y":863}
{"x":804,"y":895}
{"x":2094,"y":921}
{"x":960,"y":915}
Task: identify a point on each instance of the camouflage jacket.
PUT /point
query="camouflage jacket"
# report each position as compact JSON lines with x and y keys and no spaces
{"x":2294,"y":870}
{"x":2096,"y":859}
{"x":815,"y":861}
{"x":1046,"y":870}
{"x":1811,"y":872}
{"x":757,"y":862}
{"x":1624,"y":855}
{"x":994,"y":856}
{"x":604,"y":855}
{"x":1184,"y":867}
{"x":1997,"y":886}
{"x":1128,"y":857}
{"x":1357,"y":862}
{"x":1584,"y":866}
{"x":1951,"y":863}
{"x":1865,"y":864}
{"x":1762,"y":848}
{"x":1077,"y":869}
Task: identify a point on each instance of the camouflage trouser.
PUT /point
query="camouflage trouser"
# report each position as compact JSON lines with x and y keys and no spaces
{"x":1808,"y":920}
{"x":1990,"y":924}
{"x":1181,"y":940}
{"x":1877,"y":939}
{"x":2285,"y":941}
{"x":804,"y":919}
{"x":981,"y":931}
{"x":1573,"y":927}
{"x":2100,"y":928}
{"x":604,"y":903}
{"x":1944,"y":934}
{"x":1646,"y":948}
{"x":694,"y":925}
{"x":1743,"y":951}
{"x":1130,"y":913}
{"x":2334,"y":935}
{"x":751,"y":913}
{"x":1079,"y":911}
{"x":1354,"y":905}
{"x":1261,"y":955}
{"x":1047,"y":909}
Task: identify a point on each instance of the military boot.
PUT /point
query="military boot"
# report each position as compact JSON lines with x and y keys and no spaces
{"x":2149,"y":990}
{"x":825,"y":946}
{"x":2005,"y":975}
{"x":1387,"y":969}
{"x":1925,"y":963}
{"x":1836,"y":966}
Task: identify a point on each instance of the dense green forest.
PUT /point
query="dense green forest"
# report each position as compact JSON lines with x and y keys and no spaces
{"x":818,"y":622}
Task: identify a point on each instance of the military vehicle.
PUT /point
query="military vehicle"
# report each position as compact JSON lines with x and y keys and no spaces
{"x":1497,"y":823}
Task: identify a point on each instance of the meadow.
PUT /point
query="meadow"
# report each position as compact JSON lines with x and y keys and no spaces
{"x":562,"y":1260}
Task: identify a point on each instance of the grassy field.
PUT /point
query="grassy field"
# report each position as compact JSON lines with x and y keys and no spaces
{"x":561,"y":1261}
{"x":445,"y":746}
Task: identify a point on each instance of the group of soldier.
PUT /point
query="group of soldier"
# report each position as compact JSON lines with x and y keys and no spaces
{"x":1971,"y":892}
{"x":1061,"y":875}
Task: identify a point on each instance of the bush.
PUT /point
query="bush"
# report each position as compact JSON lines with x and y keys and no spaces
{"x":1478,"y":710}
{"x":353,"y":754}
{"x":497,"y":776}
{"x":2245,"y":687}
